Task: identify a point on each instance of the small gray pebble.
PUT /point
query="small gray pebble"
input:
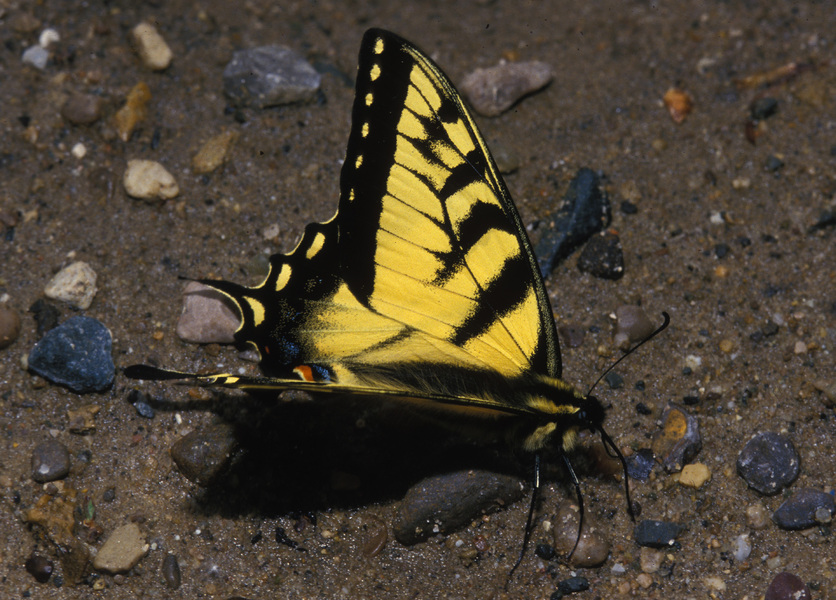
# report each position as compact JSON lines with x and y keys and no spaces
{"x":269,"y":76}
{"x":448,"y":502}
{"x":768,"y":463}
{"x":50,"y":461}
{"x":202,"y":456}
{"x":171,"y":571}
{"x":799,"y":511}
{"x":75,"y":354}
{"x":631,"y":325}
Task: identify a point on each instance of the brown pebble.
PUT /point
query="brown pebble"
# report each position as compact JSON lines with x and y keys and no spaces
{"x":9,"y":326}
{"x":133,"y":112}
{"x":632,"y":325}
{"x":203,"y":455}
{"x":207,"y":316}
{"x":787,"y":586}
{"x":593,"y":548}
{"x":82,"y":109}
{"x":494,"y":90}
{"x":678,"y":103}
{"x":374,"y":538}
{"x":40,"y":568}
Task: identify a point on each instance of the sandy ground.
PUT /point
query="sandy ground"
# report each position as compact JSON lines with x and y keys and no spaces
{"x":697,"y":185}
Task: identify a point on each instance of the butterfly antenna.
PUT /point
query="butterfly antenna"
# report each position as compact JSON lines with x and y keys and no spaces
{"x":530,"y":520}
{"x":660,"y":329}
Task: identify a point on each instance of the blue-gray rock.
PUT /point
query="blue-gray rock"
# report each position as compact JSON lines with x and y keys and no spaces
{"x":269,"y":76}
{"x":656,"y":534}
{"x":75,"y":354}
{"x":768,"y":463}
{"x":448,"y":502}
{"x":50,"y":461}
{"x":640,"y":465}
{"x":141,"y":404}
{"x":805,"y":508}
{"x":585,"y":211}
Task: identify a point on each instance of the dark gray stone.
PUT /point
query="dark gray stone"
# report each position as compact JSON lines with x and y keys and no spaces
{"x":799,"y":510}
{"x":657,"y":534}
{"x":768,"y":463}
{"x":50,"y":461}
{"x":448,"y":502}
{"x":585,"y":210}
{"x":202,"y":456}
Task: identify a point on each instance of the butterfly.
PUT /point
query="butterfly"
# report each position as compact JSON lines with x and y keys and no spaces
{"x":423,"y":287}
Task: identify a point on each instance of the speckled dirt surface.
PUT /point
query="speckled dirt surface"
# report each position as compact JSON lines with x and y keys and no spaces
{"x":696,"y":185}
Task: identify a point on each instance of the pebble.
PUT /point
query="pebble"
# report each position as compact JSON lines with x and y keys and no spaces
{"x":694,"y":475}
{"x":773,"y":163}
{"x":82,"y":109}
{"x":742,"y":547}
{"x":75,"y":284}
{"x":76,"y":354}
{"x":202,"y":456}
{"x":374,"y":539}
{"x":656,"y":534}
{"x":122,"y":550}
{"x":37,"y":56}
{"x":631,"y":325}
{"x":213,"y":153}
{"x":140,"y":403}
{"x":804,"y":508}
{"x":573,"y":585}
{"x":494,"y":90}
{"x":787,"y":586}
{"x":269,"y":76}
{"x":679,"y":104}
{"x":651,"y":559}
{"x":207,"y":316}
{"x":133,"y":112}
{"x":593,"y":546}
{"x":640,"y":464}
{"x":149,"y":180}
{"x":82,"y":420}
{"x":585,"y":210}
{"x":170,"y":570}
{"x":50,"y":461}
{"x":445,"y":503}
{"x":757,"y":517}
{"x":151,"y":47}
{"x":603,"y":257}
{"x":679,"y":439}
{"x":9,"y":326}
{"x":39,"y":567}
{"x":768,"y":463}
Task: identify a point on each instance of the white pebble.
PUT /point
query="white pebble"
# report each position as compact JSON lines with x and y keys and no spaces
{"x":151,"y":47}
{"x":148,"y":180}
{"x":742,"y":547}
{"x":48,"y":37}
{"x":75,"y":284}
{"x":79,"y":150}
{"x":36,"y":56}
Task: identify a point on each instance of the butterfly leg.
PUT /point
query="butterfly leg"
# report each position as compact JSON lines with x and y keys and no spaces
{"x":577,"y":485}
{"x":535,"y":494}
